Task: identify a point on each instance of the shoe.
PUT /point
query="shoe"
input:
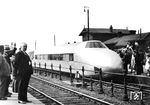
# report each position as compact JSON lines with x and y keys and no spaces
{"x":3,"y":98}
{"x":9,"y":93}
{"x":28,"y":101}
{"x":21,"y":102}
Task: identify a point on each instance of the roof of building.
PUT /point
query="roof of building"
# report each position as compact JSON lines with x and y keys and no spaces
{"x":106,"y":31}
{"x":121,"y":41}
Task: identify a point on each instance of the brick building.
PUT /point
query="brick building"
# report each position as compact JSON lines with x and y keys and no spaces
{"x":104,"y":34}
{"x":143,"y":39}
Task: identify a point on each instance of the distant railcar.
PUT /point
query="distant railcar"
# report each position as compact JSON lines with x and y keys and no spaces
{"x":91,"y":54}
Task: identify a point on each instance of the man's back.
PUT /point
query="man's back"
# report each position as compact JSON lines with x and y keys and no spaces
{"x":22,"y":64}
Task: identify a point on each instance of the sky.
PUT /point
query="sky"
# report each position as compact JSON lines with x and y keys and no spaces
{"x":39,"y":20}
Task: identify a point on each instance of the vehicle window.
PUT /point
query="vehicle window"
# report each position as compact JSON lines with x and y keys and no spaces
{"x":36,"y":57}
{"x":71,"y":57}
{"x":94,"y":45}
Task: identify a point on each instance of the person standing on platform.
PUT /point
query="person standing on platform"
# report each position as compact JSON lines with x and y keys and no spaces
{"x":23,"y":70}
{"x":127,"y":58}
{"x":147,"y":61}
{"x":4,"y":74}
{"x":7,"y":54}
{"x":14,"y":80}
{"x":139,"y":59}
{"x":147,"y":64}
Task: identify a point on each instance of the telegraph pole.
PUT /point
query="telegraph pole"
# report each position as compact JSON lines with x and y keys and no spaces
{"x":54,"y":40}
{"x":87,"y":9}
{"x":35,"y":44}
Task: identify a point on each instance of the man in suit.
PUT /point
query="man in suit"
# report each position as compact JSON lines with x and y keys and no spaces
{"x":22,"y":70}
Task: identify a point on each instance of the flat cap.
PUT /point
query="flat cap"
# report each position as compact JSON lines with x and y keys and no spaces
{"x":1,"y":48}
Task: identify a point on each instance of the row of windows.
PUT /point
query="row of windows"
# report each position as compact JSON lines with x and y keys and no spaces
{"x":61,"y":57}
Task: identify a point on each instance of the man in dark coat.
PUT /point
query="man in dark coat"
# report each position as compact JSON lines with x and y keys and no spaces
{"x":22,"y":70}
{"x":127,"y":58}
{"x":7,"y":54}
{"x":139,"y":62}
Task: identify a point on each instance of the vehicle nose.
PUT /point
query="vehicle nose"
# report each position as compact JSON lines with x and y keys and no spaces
{"x":105,"y":59}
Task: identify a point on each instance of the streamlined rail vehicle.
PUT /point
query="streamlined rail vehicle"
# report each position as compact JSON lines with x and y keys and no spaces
{"x":91,"y":54}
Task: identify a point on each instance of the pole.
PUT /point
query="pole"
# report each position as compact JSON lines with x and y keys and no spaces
{"x":71,"y":79}
{"x":125,"y":97}
{"x":88,"y":23}
{"x":35,"y":44}
{"x":82,"y":76}
{"x":88,"y":33}
{"x":100,"y":82}
{"x":54,"y":40}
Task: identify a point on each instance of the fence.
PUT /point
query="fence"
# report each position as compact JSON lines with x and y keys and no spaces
{"x":57,"y":73}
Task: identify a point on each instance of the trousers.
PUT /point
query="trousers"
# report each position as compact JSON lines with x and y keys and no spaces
{"x":15,"y":85}
{"x":23,"y":82}
{"x":3,"y":86}
{"x":7,"y":85}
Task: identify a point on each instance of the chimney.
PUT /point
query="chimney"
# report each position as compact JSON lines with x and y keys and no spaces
{"x":140,"y":33}
{"x":111,"y":28}
{"x":84,"y":26}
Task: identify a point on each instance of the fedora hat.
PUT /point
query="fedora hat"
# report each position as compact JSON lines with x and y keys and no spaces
{"x":6,"y":47}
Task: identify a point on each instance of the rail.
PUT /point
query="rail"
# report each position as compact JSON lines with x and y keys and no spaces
{"x":45,"y":95}
{"x":65,"y":89}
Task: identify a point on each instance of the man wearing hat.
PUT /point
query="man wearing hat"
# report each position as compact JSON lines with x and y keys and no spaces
{"x":7,"y":54}
{"x":4,"y":74}
{"x":139,"y":59}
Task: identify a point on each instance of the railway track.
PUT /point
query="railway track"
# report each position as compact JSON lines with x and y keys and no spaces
{"x":62,"y":95}
{"x":93,"y":85}
{"x":44,"y":98}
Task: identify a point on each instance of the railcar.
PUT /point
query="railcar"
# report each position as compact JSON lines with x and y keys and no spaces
{"x":91,"y":55}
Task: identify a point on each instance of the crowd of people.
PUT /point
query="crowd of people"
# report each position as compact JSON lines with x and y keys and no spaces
{"x":15,"y":68}
{"x":135,"y":59}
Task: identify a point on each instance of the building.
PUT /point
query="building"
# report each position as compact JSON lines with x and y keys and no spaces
{"x":142,"y":38}
{"x":104,"y":34}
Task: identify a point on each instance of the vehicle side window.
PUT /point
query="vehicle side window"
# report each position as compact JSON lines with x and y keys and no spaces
{"x":35,"y":56}
{"x":60,"y":57}
{"x":71,"y":57}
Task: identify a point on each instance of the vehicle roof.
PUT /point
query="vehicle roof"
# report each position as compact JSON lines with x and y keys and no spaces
{"x":66,"y":48}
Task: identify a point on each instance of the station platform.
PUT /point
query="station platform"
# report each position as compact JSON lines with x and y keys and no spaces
{"x":13,"y":100}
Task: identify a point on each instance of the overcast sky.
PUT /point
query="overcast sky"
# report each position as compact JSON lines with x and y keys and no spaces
{"x":40,"y":20}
